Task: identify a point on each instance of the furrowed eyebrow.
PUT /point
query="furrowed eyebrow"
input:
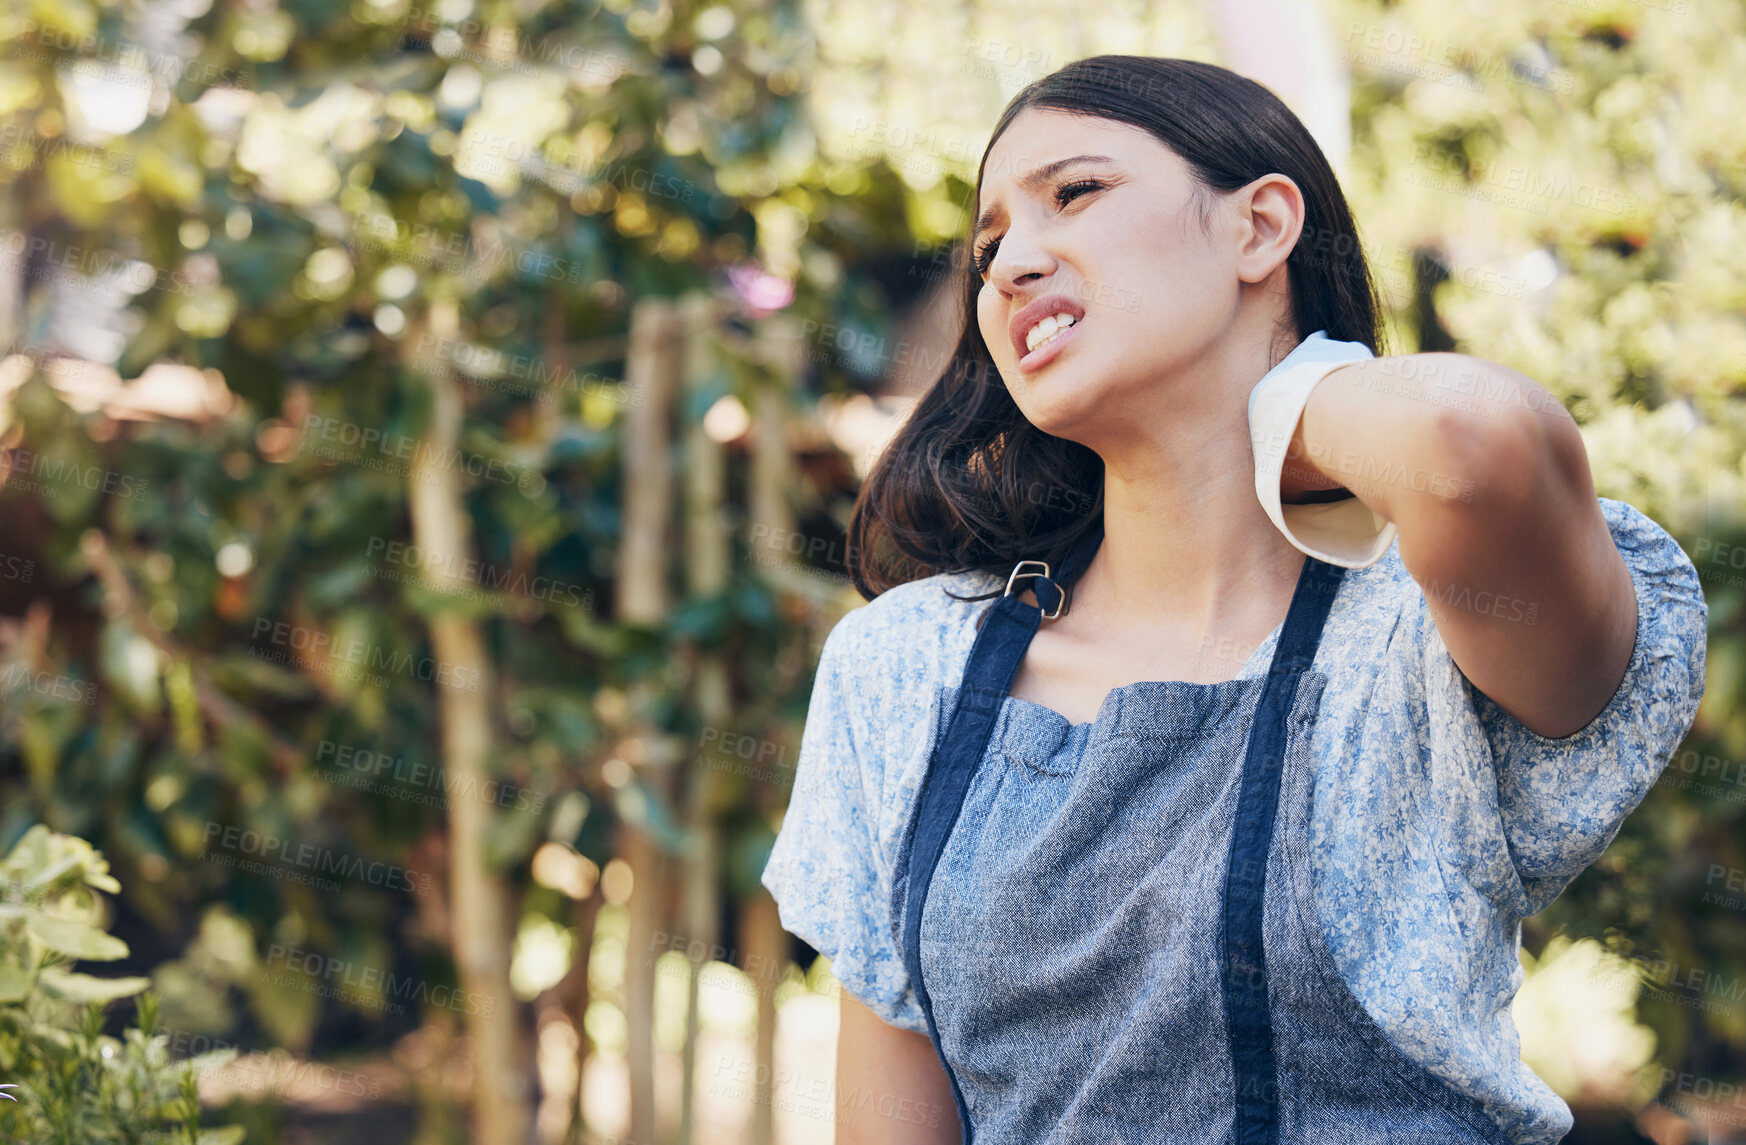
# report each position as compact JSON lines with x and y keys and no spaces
{"x":1030,"y":182}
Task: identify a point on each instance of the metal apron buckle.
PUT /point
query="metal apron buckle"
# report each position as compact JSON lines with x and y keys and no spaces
{"x":1018,"y":571}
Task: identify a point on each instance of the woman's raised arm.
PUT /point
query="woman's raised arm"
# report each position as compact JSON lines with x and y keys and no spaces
{"x":1485,"y":476}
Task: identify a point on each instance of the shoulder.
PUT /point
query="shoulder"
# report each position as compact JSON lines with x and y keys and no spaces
{"x":911,"y":633}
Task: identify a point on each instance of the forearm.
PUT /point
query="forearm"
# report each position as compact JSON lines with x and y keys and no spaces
{"x":1418,"y":435}
{"x":1485,"y":477}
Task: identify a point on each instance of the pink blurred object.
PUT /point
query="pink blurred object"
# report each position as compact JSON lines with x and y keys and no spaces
{"x":762,"y":292}
{"x":1289,"y":46}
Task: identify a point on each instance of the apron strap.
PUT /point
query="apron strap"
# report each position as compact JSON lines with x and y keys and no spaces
{"x":994,"y":660}
{"x":1247,"y":1015}
{"x":1006,"y":631}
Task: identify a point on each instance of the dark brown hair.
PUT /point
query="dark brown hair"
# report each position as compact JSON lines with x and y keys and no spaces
{"x":956,"y":489}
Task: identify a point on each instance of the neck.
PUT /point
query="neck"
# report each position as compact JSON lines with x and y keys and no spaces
{"x":1185,"y":539}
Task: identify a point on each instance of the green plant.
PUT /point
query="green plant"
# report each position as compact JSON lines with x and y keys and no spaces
{"x":74,"y":1084}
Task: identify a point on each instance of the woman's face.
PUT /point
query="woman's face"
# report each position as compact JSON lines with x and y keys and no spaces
{"x":1119,"y":241}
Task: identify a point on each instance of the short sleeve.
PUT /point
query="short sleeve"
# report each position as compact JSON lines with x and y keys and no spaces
{"x":1556,"y":804}
{"x":1563,"y":800}
{"x":827,"y":871}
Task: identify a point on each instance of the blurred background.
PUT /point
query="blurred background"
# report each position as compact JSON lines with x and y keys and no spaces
{"x":429,"y":428}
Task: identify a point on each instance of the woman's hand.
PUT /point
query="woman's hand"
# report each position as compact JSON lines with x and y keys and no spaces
{"x":891,"y":1088}
{"x":1485,"y":476}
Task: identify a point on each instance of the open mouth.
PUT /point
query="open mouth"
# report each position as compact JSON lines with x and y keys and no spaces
{"x":1047,"y":330}
{"x":1047,"y":341}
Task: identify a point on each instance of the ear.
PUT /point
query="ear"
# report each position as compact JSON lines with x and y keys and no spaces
{"x":1270,"y":218}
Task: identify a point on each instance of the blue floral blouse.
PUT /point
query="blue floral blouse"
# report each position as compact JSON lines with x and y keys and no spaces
{"x":1439,"y":821}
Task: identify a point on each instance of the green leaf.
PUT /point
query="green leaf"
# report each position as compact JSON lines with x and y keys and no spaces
{"x":15,"y":981}
{"x":72,"y":937}
{"x":52,"y":872}
{"x":103,"y":882}
{"x":70,"y":987}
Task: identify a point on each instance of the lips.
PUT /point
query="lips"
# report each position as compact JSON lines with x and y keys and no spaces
{"x":1037,"y":310}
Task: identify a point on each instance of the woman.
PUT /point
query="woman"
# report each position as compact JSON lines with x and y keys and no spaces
{"x":1232,"y":842}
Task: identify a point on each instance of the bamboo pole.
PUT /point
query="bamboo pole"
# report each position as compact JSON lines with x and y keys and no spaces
{"x":13,"y":284}
{"x":706,"y":569}
{"x":652,"y":372}
{"x":763,"y":943}
{"x":779,"y":350}
{"x":652,"y":368}
{"x":502,"y":1088}
{"x":763,"y":954}
{"x":574,"y":995}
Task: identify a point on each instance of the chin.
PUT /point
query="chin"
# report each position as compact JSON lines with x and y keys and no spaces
{"x":1058,"y":399}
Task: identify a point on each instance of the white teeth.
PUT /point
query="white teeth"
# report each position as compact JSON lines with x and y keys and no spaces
{"x":1046,"y":329}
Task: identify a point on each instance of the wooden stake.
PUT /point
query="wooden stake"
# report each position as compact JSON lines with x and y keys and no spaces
{"x":652,"y":372}
{"x":706,"y":569}
{"x":503,"y":1085}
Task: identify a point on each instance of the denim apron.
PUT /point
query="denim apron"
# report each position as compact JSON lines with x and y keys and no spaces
{"x":1108,"y":936}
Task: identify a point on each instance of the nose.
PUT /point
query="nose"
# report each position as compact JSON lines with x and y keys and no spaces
{"x":1019,"y":263}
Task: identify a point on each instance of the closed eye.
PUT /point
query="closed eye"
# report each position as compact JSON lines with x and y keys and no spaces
{"x":1064,"y":194}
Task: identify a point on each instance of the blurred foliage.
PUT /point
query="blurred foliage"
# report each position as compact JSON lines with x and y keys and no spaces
{"x":294,"y":194}
{"x":73,"y":1084}
{"x":1564,"y":184}
{"x":304,"y":185}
